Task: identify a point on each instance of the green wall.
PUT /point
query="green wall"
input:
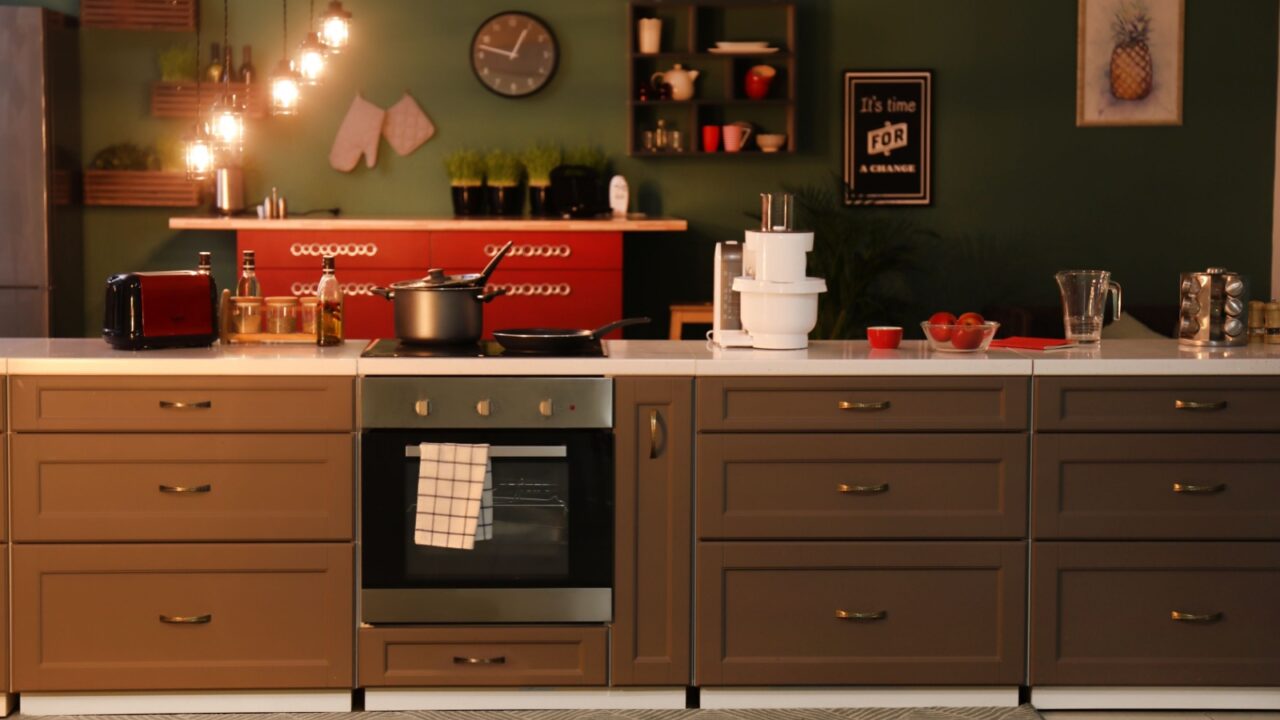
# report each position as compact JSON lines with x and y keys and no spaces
{"x":1019,"y":190}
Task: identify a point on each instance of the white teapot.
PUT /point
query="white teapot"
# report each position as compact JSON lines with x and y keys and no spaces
{"x":680,"y":80}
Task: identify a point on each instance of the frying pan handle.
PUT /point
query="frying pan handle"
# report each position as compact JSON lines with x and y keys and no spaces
{"x":487,"y":296}
{"x":606,"y":329}
{"x":383,"y":292}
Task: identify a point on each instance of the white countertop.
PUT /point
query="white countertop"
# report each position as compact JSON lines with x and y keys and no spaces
{"x":91,"y":356}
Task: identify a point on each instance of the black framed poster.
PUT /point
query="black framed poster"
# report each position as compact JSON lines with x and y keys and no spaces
{"x":888,"y":137}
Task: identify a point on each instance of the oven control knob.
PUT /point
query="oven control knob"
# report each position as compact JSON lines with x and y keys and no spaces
{"x":422,"y":407}
{"x":545,"y":408}
{"x":483,"y":408}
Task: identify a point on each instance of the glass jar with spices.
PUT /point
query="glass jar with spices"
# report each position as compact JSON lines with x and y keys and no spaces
{"x":308,"y":312}
{"x":246,"y":315}
{"x":1273,"y":323}
{"x":281,"y":314}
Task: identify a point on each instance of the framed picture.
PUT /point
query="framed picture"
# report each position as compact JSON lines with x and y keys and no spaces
{"x":1129,"y":62}
{"x":888,"y":137}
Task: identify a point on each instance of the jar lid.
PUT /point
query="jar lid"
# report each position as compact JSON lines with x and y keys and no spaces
{"x":309,"y":300}
{"x":246,"y":300}
{"x":282,"y":300}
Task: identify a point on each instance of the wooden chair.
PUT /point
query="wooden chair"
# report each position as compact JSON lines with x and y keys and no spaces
{"x":698,"y":313}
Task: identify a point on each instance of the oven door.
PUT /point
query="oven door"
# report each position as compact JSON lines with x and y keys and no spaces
{"x":551,"y":555}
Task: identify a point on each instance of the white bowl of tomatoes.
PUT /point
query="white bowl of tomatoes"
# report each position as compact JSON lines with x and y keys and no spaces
{"x":969,"y":332}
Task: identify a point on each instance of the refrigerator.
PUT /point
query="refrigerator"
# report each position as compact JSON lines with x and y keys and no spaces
{"x":41,"y":218}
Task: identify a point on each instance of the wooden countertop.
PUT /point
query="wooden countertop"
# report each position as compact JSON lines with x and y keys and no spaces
{"x":488,"y":224}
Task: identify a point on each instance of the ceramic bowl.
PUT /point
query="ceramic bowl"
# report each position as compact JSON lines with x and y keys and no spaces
{"x":771,"y":142}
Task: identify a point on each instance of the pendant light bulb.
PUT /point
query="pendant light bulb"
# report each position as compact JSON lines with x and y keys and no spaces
{"x":285,"y":90}
{"x":335,"y":28}
{"x":226,"y":125}
{"x":311,"y":60}
{"x":199,"y":156}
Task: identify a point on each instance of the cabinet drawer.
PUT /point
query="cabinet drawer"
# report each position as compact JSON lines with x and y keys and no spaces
{"x":161,"y":617}
{"x":181,"y":404}
{"x":1130,"y":487}
{"x":4,"y":626}
{"x":935,"y":613}
{"x":182,"y":487}
{"x":1104,"y":614}
{"x":4,"y":482}
{"x":365,"y":250}
{"x":471,"y":656}
{"x":1137,"y":404}
{"x":468,"y":251}
{"x":860,"y":403}
{"x":862,"y":486}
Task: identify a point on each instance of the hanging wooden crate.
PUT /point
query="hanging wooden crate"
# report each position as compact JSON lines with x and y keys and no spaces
{"x":173,"y":15}
{"x":140,"y":188}
{"x":178,"y":99}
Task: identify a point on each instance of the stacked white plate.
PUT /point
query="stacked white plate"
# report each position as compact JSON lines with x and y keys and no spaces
{"x":743,"y":47}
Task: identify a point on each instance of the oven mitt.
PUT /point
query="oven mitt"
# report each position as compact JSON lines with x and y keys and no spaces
{"x":360,"y":131}
{"x":407,"y":126}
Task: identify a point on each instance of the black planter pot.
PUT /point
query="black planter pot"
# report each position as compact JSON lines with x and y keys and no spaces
{"x":468,"y":200}
{"x":540,"y":201}
{"x":506,"y":201}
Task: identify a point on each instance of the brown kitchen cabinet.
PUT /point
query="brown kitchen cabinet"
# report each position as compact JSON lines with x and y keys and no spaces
{"x":864,"y":613}
{"x":458,"y":656}
{"x":182,"y":616}
{"x":654,"y":531}
{"x":1158,"y":404}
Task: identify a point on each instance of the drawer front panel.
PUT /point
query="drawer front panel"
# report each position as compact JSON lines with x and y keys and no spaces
{"x":1156,"y":487}
{"x":558,"y":299}
{"x":160,"y":617}
{"x":119,"y":488}
{"x":181,"y":404}
{"x":5,"y":481}
{"x":470,"y":251}
{"x":914,"y":613}
{"x":862,"y":486}
{"x":406,"y":252}
{"x":1137,"y":404}
{"x":1105,"y":614}
{"x":867,"y":404}
{"x":478,"y":656}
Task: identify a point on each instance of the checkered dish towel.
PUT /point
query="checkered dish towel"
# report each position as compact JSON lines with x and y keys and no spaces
{"x":455,"y":496}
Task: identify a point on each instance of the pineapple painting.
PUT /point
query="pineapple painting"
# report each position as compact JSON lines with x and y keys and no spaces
{"x":1132,"y":68}
{"x":1129,"y":62}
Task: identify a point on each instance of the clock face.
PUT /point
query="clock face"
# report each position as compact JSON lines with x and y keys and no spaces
{"x":514,"y":54}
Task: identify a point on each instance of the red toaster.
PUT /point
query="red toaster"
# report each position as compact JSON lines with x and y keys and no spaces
{"x":151,"y":310}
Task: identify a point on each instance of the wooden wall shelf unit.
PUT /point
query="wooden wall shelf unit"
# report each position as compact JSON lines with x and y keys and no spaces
{"x":140,"y":188}
{"x":690,"y":30}
{"x":171,"y":15}
{"x":179,"y":99}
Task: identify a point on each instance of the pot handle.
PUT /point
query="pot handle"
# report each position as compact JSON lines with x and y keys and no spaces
{"x":606,"y":329}
{"x":384,"y":292}
{"x":485,"y":297}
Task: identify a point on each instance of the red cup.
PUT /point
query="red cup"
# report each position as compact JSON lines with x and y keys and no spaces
{"x":710,"y":138}
{"x":884,"y":337}
{"x":757,"y":82}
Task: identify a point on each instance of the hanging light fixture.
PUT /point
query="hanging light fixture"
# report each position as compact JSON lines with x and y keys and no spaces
{"x":226,"y":119}
{"x":284,"y":79}
{"x":335,"y":28}
{"x":311,"y":54}
{"x":197,"y":150}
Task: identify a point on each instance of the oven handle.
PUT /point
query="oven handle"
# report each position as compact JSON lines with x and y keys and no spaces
{"x":509,"y":451}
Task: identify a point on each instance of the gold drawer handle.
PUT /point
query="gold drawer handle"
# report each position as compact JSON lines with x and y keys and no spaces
{"x":1194,"y":618}
{"x":499,"y":660}
{"x":880,"y":405}
{"x":173,"y":405}
{"x":1193,"y":405}
{"x":186,"y":619}
{"x":653,"y":434}
{"x":861,"y":616}
{"x":184,"y":489}
{"x":862,"y":489}
{"x":1189,"y":489}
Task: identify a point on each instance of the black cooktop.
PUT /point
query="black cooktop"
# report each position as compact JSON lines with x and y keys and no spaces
{"x":390,"y":348}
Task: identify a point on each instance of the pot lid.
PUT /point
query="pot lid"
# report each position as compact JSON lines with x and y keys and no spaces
{"x":807,"y":286}
{"x":436,"y":278}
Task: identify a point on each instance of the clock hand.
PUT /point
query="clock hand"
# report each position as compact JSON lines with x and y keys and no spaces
{"x":508,"y":53}
{"x":519,"y":40}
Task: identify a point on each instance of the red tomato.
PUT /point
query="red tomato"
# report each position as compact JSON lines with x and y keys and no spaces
{"x":968,"y":337}
{"x":970,"y":318}
{"x":941,"y":334}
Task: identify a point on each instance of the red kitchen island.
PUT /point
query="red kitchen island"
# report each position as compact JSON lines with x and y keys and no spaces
{"x":560,"y":273}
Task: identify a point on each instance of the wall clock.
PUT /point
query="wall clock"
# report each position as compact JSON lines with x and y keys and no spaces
{"x":514,"y":54}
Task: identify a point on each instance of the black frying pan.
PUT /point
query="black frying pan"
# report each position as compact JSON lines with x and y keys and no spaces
{"x":548,"y":341}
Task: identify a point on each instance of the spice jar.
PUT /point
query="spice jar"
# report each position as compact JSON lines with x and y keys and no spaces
{"x":246,"y":315}
{"x":1257,"y":322}
{"x":308,"y":311}
{"x":1273,"y":323}
{"x":281,"y":314}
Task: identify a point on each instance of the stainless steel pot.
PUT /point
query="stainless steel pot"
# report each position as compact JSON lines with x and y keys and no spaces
{"x":438,"y":315}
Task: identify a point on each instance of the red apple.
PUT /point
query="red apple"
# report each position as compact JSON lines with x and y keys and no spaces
{"x":970,"y":318}
{"x":968,"y":337}
{"x":941,"y":334}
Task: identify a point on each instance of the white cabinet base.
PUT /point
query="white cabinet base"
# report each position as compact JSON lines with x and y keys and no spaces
{"x":524,"y":698}
{"x":151,"y":703}
{"x":1155,"y":698}
{"x":860,"y":697}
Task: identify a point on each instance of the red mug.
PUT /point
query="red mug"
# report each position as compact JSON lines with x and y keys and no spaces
{"x":710,"y":138}
{"x":884,"y":337}
{"x":758,"y":79}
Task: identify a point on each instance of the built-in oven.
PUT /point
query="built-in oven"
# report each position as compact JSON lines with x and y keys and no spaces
{"x":550,"y":557}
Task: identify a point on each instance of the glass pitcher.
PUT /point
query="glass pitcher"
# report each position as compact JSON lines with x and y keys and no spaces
{"x":1084,"y":299}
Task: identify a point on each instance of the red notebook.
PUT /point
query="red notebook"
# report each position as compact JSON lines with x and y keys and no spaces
{"x":1030,"y":343}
